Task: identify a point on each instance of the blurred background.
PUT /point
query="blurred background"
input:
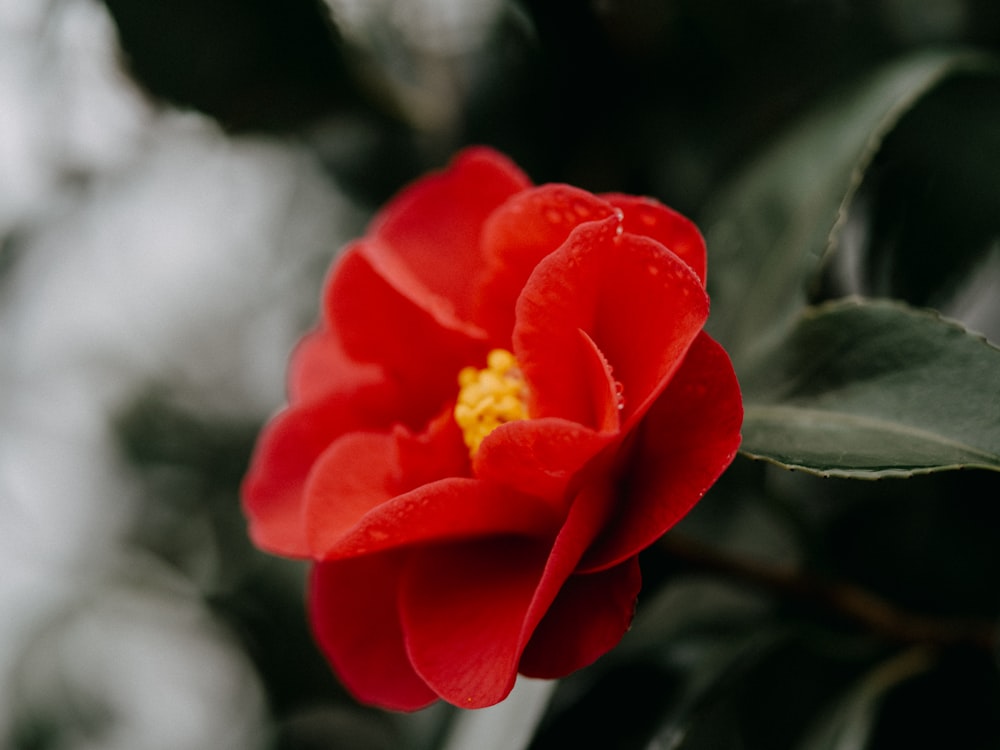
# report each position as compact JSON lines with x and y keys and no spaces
{"x":175,"y":178}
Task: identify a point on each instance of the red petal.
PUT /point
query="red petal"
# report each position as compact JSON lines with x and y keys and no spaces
{"x":435,"y":453}
{"x":426,"y":242}
{"x":320,"y":366}
{"x":677,"y":233}
{"x":369,"y":492}
{"x":462,"y":609}
{"x":587,"y":619}
{"x":363,"y":470}
{"x":606,"y":397}
{"x":538,"y":456}
{"x":356,"y":623}
{"x":640,"y":304}
{"x":468,"y":610}
{"x":274,"y":488}
{"x":377,"y":324}
{"x":588,"y":514}
{"x":356,"y":474}
{"x":442,"y":511}
{"x":688,"y":438}
{"x":518,"y":235}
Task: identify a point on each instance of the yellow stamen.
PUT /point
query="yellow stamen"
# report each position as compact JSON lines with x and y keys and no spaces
{"x":489,"y":398}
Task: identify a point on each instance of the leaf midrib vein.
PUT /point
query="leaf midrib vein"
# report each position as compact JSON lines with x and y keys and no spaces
{"x":885,"y":425}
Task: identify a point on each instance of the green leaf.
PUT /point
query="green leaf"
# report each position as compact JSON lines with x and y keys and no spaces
{"x":870,"y":389}
{"x":767,"y":230}
{"x":932,"y":185}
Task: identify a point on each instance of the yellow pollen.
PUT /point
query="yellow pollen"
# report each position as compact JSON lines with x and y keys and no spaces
{"x":489,"y":398}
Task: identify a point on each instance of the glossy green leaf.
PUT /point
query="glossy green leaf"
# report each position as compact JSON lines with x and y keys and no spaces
{"x":768,"y":229}
{"x":932,"y":185}
{"x":870,"y":389}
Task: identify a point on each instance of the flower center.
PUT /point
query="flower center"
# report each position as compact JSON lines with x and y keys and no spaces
{"x":489,"y":398}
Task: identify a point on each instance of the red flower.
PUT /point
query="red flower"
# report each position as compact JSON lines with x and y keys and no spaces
{"x":509,"y":395}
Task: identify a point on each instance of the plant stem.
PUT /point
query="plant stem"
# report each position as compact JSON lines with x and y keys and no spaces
{"x":845,"y":600}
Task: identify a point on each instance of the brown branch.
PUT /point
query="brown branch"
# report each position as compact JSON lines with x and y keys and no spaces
{"x":845,"y":600}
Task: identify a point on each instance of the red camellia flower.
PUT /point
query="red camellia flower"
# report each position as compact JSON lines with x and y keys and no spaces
{"x":508,"y":397}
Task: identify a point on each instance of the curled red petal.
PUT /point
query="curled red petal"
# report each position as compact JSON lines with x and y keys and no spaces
{"x":462,"y":608}
{"x":426,"y":241}
{"x":555,"y":305}
{"x":539,"y":456}
{"x":470,"y":609}
{"x":688,"y":438}
{"x":273,"y":490}
{"x":356,"y":474}
{"x":375,"y":491}
{"x":516,"y":237}
{"x":442,"y":511}
{"x":355,"y":619}
{"x":378,"y":324}
{"x":588,"y":618}
{"x":589,"y":512}
{"x":607,"y":396}
{"x":677,"y":233}
{"x":365,"y":470}
{"x":640,"y":304}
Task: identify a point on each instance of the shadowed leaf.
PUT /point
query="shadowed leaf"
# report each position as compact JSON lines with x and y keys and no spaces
{"x":869,"y":389}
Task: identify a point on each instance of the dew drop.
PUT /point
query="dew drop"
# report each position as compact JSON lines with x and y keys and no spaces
{"x":619,"y":395}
